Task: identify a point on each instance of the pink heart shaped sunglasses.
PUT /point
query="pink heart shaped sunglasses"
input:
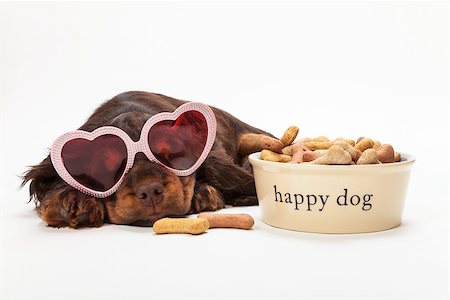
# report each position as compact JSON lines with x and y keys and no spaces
{"x":96,"y":162}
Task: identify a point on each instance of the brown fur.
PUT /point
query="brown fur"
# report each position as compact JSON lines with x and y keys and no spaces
{"x":225,"y":177}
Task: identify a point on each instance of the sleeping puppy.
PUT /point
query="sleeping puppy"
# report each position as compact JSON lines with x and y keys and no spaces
{"x":149,"y":191}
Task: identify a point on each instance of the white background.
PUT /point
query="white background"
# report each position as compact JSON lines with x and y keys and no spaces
{"x":349,"y":69}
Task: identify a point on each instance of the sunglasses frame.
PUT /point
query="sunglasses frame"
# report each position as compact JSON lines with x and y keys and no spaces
{"x":133,"y":148}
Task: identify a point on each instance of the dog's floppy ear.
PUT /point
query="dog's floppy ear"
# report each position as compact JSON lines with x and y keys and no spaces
{"x":220,"y":171}
{"x":42,"y":177}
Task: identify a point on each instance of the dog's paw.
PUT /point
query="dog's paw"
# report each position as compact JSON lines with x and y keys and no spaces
{"x":72,"y":209}
{"x":206,"y":198}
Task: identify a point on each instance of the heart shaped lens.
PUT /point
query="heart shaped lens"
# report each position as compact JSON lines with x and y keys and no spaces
{"x":96,"y":164}
{"x":178,"y":144}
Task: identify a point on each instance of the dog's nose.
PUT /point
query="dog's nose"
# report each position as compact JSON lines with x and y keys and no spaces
{"x":150,"y":192}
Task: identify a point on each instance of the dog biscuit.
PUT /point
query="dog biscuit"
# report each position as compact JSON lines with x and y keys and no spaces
{"x":368,"y":157}
{"x":364,"y":144}
{"x":298,"y":150}
{"x":355,"y":153}
{"x":273,"y":156}
{"x":318,"y":145}
{"x":289,"y":135}
{"x":240,"y":221}
{"x":181,"y":225}
{"x":336,"y":155}
{"x":385,"y":154}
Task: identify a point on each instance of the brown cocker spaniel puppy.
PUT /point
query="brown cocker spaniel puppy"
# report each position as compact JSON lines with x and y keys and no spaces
{"x":149,"y":191}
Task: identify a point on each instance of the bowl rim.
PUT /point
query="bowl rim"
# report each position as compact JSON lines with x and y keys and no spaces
{"x":254,"y":159}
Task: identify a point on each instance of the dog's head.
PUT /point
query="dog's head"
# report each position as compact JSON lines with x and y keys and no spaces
{"x":147,"y":193}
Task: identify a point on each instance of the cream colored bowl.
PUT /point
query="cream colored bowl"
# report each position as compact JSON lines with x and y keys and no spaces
{"x":331,"y":199}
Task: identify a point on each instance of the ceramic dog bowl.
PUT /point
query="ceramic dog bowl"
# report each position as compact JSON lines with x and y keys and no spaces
{"x":331,"y":198}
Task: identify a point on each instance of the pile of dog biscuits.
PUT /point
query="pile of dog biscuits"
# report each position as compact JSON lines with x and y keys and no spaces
{"x":323,"y":151}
